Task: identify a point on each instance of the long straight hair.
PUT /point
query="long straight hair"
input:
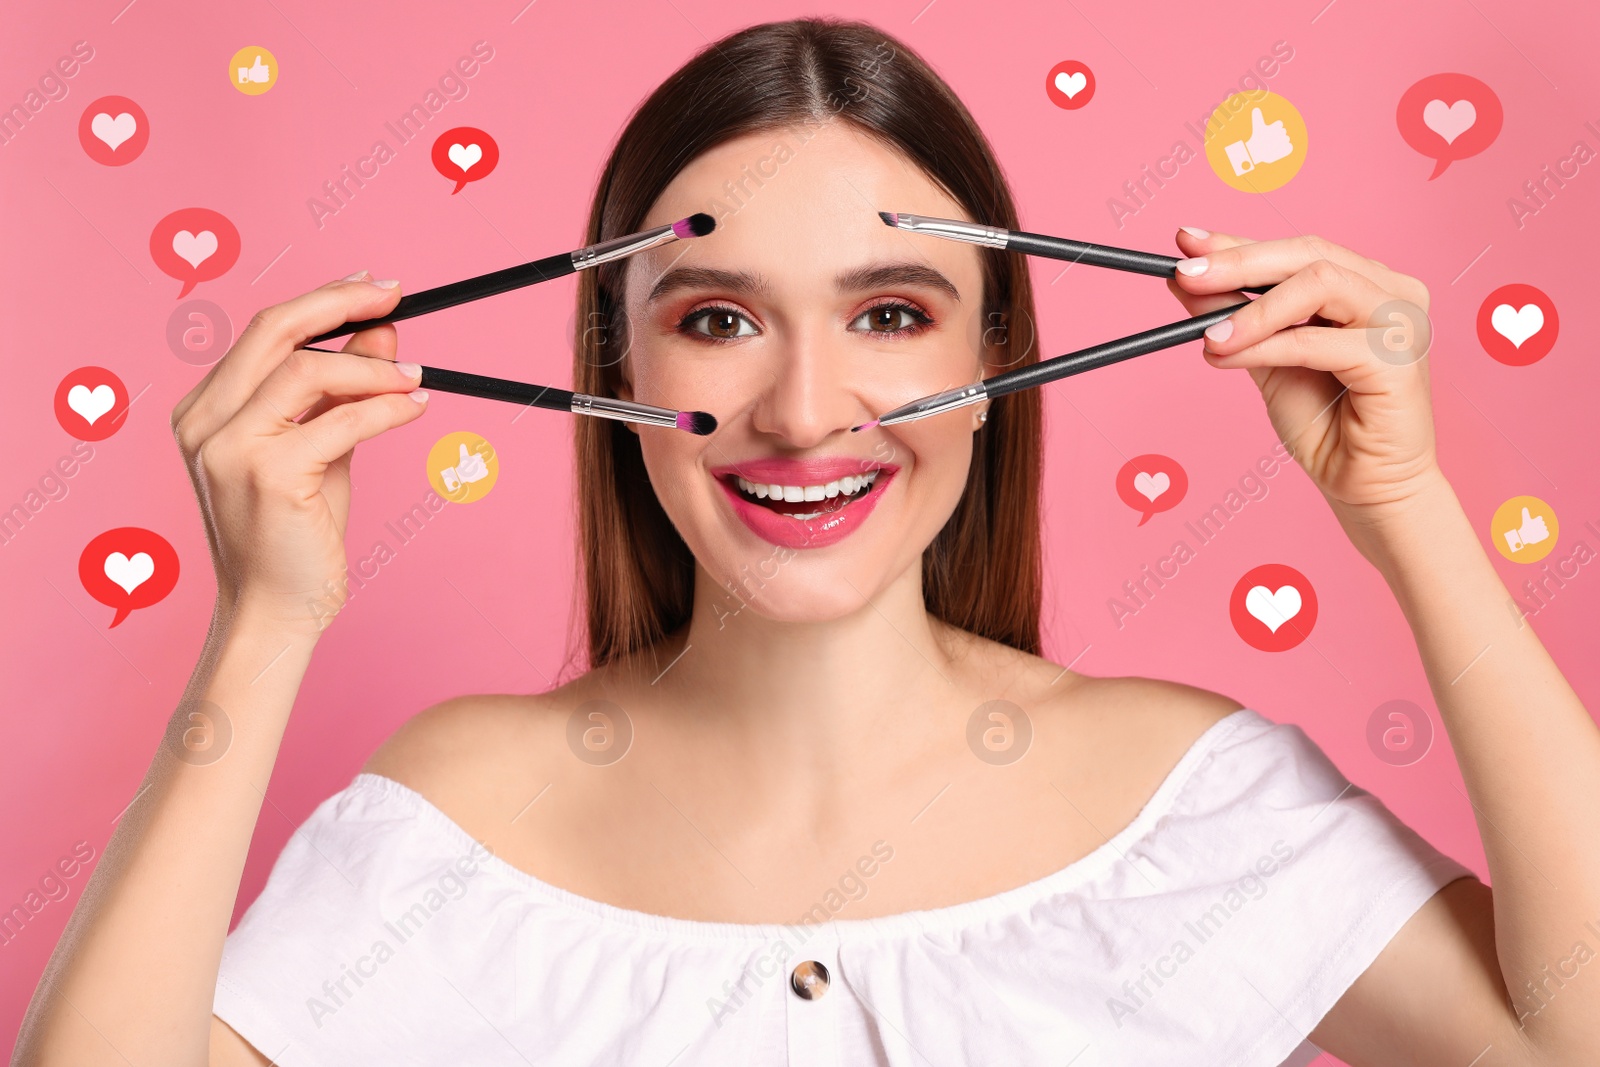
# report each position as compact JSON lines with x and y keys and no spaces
{"x":981,"y":573}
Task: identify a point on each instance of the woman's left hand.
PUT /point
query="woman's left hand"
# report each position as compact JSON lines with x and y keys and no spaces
{"x":1336,"y":349}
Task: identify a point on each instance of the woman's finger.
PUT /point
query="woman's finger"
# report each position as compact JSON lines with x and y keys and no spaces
{"x":381,"y":341}
{"x":271,"y":335}
{"x":332,"y":434}
{"x":304,"y":377}
{"x":1320,"y":289}
{"x":1223,"y":262}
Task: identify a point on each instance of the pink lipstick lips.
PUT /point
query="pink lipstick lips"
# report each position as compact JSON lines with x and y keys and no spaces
{"x":804,"y":503}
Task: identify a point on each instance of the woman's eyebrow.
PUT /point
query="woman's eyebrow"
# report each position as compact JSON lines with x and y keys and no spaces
{"x":736,"y":281}
{"x":744,"y":283}
{"x":885,"y":275}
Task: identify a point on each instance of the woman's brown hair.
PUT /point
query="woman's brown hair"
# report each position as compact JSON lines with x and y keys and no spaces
{"x":982,"y":571}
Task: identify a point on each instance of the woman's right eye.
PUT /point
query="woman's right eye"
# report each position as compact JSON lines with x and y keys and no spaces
{"x":717,"y":323}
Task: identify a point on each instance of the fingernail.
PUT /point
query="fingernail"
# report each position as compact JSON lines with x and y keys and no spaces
{"x":356,"y":277}
{"x":1220,"y":331}
{"x":1193,"y":266}
{"x":387,"y":283}
{"x":419,"y":395}
{"x":410,"y":370}
{"x":1195,"y":231}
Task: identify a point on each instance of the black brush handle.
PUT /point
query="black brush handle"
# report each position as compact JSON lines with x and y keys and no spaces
{"x":444,"y":296}
{"x":1174,"y":333}
{"x":1038,"y":244}
{"x":455,"y":381}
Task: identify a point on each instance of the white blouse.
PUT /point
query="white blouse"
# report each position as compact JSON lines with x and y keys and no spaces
{"x":1218,"y":927}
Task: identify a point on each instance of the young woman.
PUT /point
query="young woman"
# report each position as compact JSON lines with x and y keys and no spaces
{"x":767,"y":825}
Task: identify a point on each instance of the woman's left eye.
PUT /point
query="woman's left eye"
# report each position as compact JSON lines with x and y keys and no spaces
{"x":893,"y":318}
{"x":718,"y":323}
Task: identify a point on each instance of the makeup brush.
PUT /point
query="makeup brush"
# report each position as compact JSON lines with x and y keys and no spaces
{"x":1035,"y":244}
{"x":1175,"y":333}
{"x":700,"y":423}
{"x":540,"y":270}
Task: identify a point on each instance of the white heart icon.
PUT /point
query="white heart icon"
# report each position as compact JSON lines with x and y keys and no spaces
{"x":1517,"y":326}
{"x":1151,"y":485}
{"x":1273,"y":609}
{"x":464,"y":156}
{"x":130,"y":573}
{"x":1449,"y":120}
{"x":91,"y":404}
{"x":113,"y":131}
{"x":1071,"y":84}
{"x":196,"y":248}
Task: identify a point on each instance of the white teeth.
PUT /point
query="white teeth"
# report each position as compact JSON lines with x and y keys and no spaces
{"x":849,"y":485}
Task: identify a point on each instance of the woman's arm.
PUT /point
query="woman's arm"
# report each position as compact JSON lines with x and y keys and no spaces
{"x":1338,"y":351}
{"x":267,"y":436}
{"x":132,"y":978}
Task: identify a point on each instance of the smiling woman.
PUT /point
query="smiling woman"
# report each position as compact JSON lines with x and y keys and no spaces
{"x":1079,"y":864}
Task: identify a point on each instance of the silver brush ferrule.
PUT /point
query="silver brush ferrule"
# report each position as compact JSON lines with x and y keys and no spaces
{"x":610,"y":408}
{"x":622,"y":247}
{"x":988,"y":236}
{"x":936,"y":404}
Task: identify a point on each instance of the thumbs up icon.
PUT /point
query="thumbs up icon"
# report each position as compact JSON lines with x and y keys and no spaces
{"x":470,"y":467}
{"x":259,"y":73}
{"x":1266,"y":144}
{"x":1531,"y":532}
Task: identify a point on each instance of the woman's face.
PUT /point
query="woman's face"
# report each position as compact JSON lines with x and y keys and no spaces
{"x":801,"y":316}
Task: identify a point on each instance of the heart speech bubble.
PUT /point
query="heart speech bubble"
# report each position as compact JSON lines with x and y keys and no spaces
{"x":194,"y":244}
{"x":1447,"y":117}
{"x":128,"y":568}
{"x":1151,"y":483}
{"x":465,"y":154}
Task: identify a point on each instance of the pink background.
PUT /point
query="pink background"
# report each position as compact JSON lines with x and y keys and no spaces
{"x":479,"y":601}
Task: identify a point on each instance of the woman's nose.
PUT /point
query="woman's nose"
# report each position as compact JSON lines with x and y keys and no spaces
{"x":808,"y":394}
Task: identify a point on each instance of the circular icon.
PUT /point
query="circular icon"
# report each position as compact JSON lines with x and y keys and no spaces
{"x":1256,"y":141}
{"x":1399,"y":733}
{"x":465,"y":154}
{"x":199,"y":332}
{"x":128,"y":568}
{"x":1447,"y":117}
{"x":462,"y":467}
{"x":1517,"y":324}
{"x":253,"y":70}
{"x":91,"y":403}
{"x":113,"y":130}
{"x":193,"y":245}
{"x":1399,"y":332}
{"x":599,"y":344}
{"x":1273,"y":607}
{"x":999,"y":732}
{"x":1151,"y":483}
{"x":200,"y":733}
{"x":599,"y":732}
{"x":1524,"y":529}
{"x":1069,"y":85}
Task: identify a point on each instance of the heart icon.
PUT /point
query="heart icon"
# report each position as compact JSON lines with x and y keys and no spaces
{"x":1151,"y":485}
{"x":1071,"y":84}
{"x":1517,"y":326}
{"x":1449,"y":120}
{"x":130,"y":573}
{"x":196,"y":248}
{"x":1271,"y":609}
{"x":91,"y":404}
{"x":114,"y":131}
{"x":464,"y":156}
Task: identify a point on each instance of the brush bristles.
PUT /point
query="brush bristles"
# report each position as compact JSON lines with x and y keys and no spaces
{"x":889,"y":218}
{"x":700,"y":423}
{"x":864,"y":426}
{"x":697,"y":225}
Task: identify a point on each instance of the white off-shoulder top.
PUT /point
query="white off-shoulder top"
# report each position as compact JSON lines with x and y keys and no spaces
{"x":1218,"y":927}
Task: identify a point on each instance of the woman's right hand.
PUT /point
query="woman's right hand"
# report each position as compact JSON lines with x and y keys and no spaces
{"x":267,"y":436}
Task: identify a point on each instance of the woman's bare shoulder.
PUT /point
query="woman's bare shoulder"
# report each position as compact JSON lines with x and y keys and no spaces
{"x":471,"y":752}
